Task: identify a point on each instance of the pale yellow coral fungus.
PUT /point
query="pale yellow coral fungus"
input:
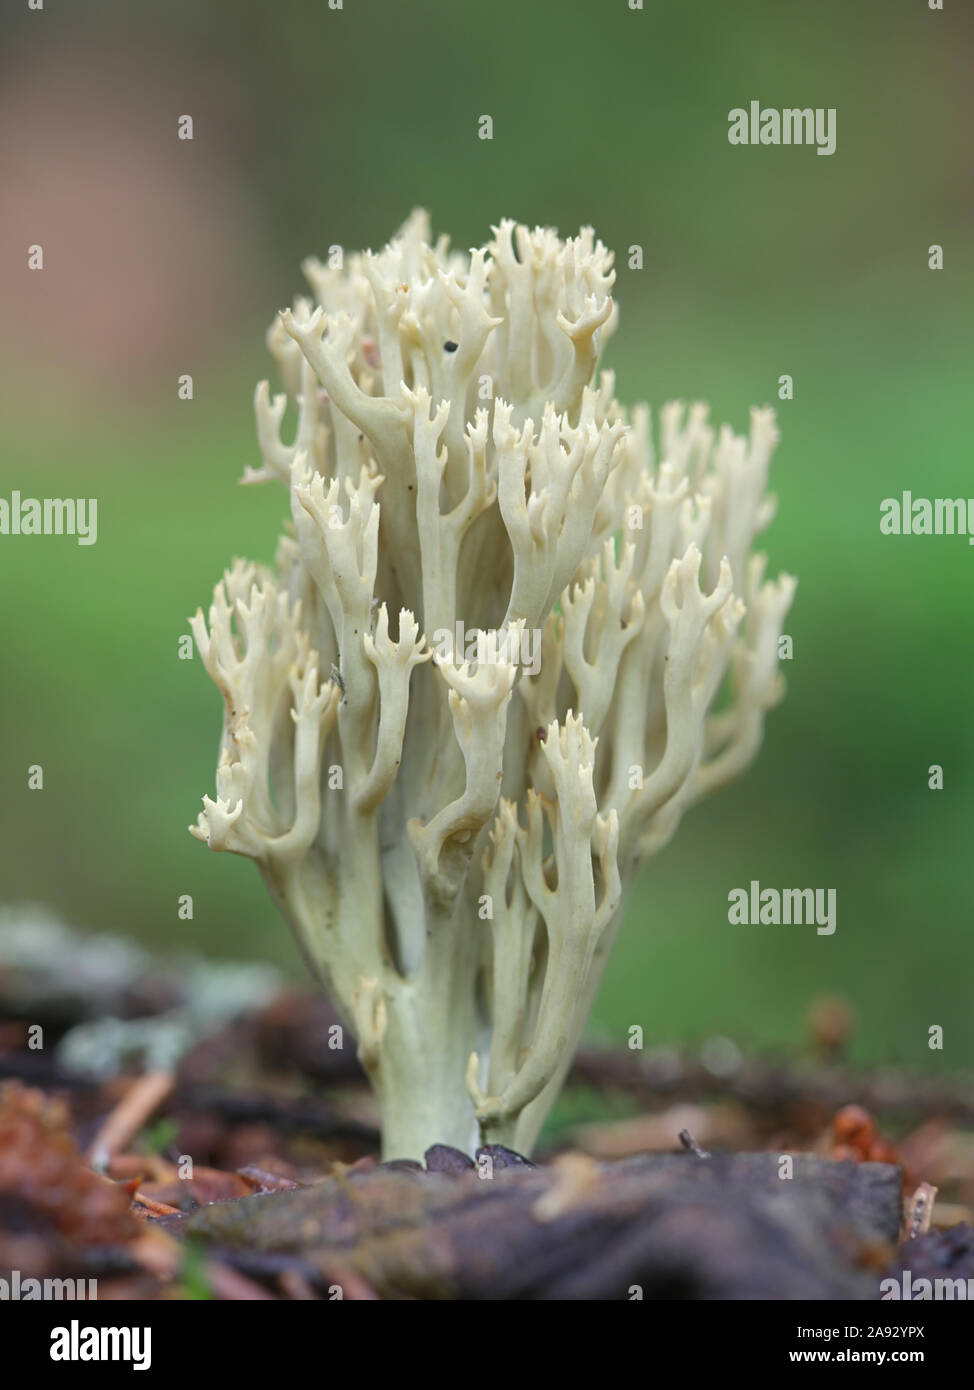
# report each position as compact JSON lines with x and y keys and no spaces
{"x":477,"y":687}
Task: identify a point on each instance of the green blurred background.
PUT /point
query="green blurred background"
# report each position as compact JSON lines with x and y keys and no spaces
{"x":314,"y":127}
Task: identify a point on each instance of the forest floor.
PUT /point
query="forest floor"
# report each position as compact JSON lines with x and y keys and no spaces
{"x":170,"y":1148}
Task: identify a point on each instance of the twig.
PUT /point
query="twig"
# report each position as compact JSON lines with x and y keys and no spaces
{"x":140,"y":1101}
{"x":155,"y":1207}
{"x":919,"y":1211}
{"x":691,"y":1145}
